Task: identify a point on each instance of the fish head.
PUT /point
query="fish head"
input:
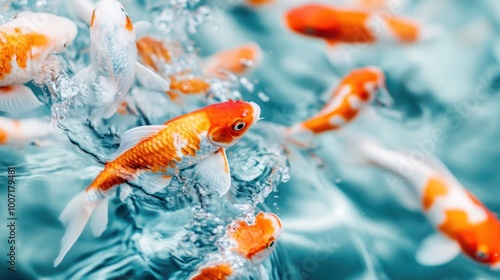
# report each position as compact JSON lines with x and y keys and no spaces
{"x":60,"y":31}
{"x":110,"y":19}
{"x":313,"y":20}
{"x":481,"y":242}
{"x":230,"y":120}
{"x":371,"y":80}
{"x":257,"y":241}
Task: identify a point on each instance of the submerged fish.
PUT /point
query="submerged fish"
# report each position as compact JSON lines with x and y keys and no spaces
{"x":337,"y":25}
{"x":355,"y":92}
{"x":156,"y":153}
{"x":25,"y":43}
{"x":463,"y":223}
{"x":254,"y":242}
{"x":113,"y":57}
{"x":237,"y":60}
{"x":19,"y":132}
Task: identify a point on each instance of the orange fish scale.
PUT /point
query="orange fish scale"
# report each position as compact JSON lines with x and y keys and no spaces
{"x":20,"y":45}
{"x":155,"y":153}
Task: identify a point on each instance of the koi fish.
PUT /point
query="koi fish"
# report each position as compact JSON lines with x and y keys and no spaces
{"x":113,"y":56}
{"x":356,"y":91}
{"x":25,"y":43}
{"x":152,"y":52}
{"x":18,"y":132}
{"x":462,"y":222}
{"x":254,"y":242}
{"x":258,"y":3}
{"x":154,"y":154}
{"x":187,"y":85}
{"x":350,"y":26}
{"x":237,"y":60}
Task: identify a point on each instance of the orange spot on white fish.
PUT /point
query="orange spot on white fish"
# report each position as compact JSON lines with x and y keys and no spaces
{"x":92,"y":18}
{"x":6,"y":89}
{"x":3,"y":136}
{"x":128,"y":24}
{"x":259,"y":2}
{"x":18,"y":46}
{"x":434,"y":189}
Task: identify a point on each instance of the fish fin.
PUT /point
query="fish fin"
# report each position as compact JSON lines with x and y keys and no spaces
{"x":437,"y":249}
{"x":133,"y":136}
{"x":215,"y":170}
{"x":125,"y":191}
{"x":383,"y":98}
{"x":262,"y":272}
{"x":154,"y":182}
{"x":300,"y":136}
{"x":149,"y":79}
{"x":99,"y":220}
{"x":339,"y":55}
{"x":17,"y":98}
{"x":84,"y":75}
{"x":142,"y":29}
{"x":74,"y":217}
{"x":82,"y":9}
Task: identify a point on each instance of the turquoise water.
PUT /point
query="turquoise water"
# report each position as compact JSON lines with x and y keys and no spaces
{"x":341,"y":220}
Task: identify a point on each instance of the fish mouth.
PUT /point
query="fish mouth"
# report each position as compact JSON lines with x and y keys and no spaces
{"x":256,"y":112}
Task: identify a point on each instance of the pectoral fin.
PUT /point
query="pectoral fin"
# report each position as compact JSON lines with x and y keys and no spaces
{"x":215,"y":170}
{"x":150,"y":79}
{"x":437,"y":249}
{"x":17,"y":98}
{"x":154,"y":182}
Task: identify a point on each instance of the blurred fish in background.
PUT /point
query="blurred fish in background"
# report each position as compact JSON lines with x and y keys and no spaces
{"x":376,"y":149}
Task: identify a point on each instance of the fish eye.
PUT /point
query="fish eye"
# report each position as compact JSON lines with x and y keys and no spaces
{"x":481,"y":254}
{"x":65,"y":44}
{"x":309,"y":30}
{"x":239,"y":125}
{"x":270,"y":243}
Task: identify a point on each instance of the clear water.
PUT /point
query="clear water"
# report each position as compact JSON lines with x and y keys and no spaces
{"x":341,"y":221}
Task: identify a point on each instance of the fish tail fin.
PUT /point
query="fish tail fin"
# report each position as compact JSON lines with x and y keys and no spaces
{"x":300,"y":136}
{"x":74,"y":217}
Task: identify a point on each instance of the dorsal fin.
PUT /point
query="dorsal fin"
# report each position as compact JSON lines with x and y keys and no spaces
{"x":135,"y":135}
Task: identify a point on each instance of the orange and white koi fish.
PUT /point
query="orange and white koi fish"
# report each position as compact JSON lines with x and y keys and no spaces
{"x":25,"y":43}
{"x":356,"y":91}
{"x":337,"y":25}
{"x":155,"y":153}
{"x":463,"y":223}
{"x":19,"y":132}
{"x":254,"y":242}
{"x":237,"y":60}
{"x":113,"y":56}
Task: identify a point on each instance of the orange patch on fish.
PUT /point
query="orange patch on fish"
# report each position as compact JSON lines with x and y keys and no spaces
{"x":18,"y":46}
{"x":219,"y":272}
{"x":434,"y":189}
{"x":252,"y":239}
{"x":191,"y":85}
{"x":3,"y":136}
{"x":455,"y":221}
{"x":237,"y":60}
{"x":6,"y":89}
{"x":151,"y":51}
{"x":92,"y":18}
{"x":259,"y":2}
{"x":405,"y":30}
{"x":128,"y":24}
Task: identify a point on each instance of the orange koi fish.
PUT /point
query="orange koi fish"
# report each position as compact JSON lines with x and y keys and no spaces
{"x":237,"y":60}
{"x":187,"y":85}
{"x":155,"y":153}
{"x":462,"y":222}
{"x":350,"y":26}
{"x":25,"y":43}
{"x":355,"y":92}
{"x":255,"y":242}
{"x":18,"y":132}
